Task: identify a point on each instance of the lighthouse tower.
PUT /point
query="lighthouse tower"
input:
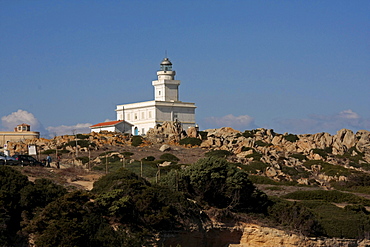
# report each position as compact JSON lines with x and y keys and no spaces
{"x":166,"y":105}
{"x":166,"y":88}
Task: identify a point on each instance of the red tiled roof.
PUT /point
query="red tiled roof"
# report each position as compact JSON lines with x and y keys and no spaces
{"x":111,"y":123}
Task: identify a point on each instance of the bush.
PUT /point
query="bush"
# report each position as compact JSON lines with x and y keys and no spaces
{"x":218,"y":153}
{"x":136,"y":141}
{"x":338,"y":222}
{"x":49,"y":151}
{"x":169,"y":157}
{"x":291,"y":138}
{"x":295,"y":172}
{"x":246,"y":149}
{"x":82,"y":136}
{"x":295,"y":217}
{"x":256,"y":156}
{"x":322,"y":152}
{"x":249,"y":133}
{"x":216,"y":182}
{"x":149,"y":158}
{"x":81,"y":143}
{"x":298,"y":156}
{"x":328,"y":196}
{"x":262,"y":144}
{"x":192,"y":141}
{"x":83,"y":159}
{"x":255,"y":166}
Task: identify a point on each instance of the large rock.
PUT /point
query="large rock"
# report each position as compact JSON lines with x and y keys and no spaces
{"x":167,"y":132}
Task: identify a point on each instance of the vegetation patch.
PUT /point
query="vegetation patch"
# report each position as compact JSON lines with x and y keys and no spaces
{"x":291,"y":138}
{"x":169,"y":157}
{"x":298,"y":156}
{"x":262,"y":144}
{"x":255,"y":167}
{"x":136,"y":141}
{"x":328,"y":196}
{"x":256,"y":156}
{"x":218,"y":153}
{"x":192,"y":141}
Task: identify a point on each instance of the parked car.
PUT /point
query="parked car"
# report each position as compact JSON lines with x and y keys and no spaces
{"x":27,"y":160}
{"x":8,"y":160}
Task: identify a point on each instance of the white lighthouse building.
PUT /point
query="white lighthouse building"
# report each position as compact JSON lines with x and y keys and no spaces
{"x":166,"y":105}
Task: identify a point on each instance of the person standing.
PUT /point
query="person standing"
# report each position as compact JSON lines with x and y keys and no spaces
{"x":58,"y":161}
{"x":48,"y":161}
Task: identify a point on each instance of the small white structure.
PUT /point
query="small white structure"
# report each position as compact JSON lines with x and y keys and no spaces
{"x":165,"y":107}
{"x":112,"y":126}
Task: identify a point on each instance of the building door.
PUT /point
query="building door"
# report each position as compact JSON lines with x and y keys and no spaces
{"x":136,"y":131}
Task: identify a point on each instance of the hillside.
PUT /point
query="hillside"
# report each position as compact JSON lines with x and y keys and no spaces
{"x":307,"y":177}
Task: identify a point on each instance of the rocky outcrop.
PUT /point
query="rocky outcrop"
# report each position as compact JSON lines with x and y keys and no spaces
{"x":252,"y":235}
{"x":170,"y":132}
{"x":255,"y":236}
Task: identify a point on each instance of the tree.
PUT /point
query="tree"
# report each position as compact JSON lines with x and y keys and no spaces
{"x":11,"y":183}
{"x":216,"y":182}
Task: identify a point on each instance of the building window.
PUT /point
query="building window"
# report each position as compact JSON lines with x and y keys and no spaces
{"x":128,"y":116}
{"x":143,"y":115}
{"x":150,"y":114}
{"x":159,"y":92}
{"x":142,"y":131}
{"x":135,"y":116}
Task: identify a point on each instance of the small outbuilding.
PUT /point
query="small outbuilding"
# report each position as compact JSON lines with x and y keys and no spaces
{"x":112,"y":126}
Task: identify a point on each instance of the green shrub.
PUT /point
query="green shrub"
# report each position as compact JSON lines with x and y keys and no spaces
{"x":49,"y":151}
{"x":81,"y":143}
{"x":136,"y":141}
{"x":192,"y":141}
{"x":291,"y":138}
{"x":356,"y":182}
{"x":246,"y":148}
{"x":335,"y":170}
{"x":309,"y":163}
{"x":149,"y":158}
{"x":82,"y":136}
{"x":218,"y":153}
{"x":262,"y":143}
{"x":255,"y":166}
{"x":217,"y":183}
{"x":354,"y":159}
{"x":298,"y":156}
{"x":256,"y":156}
{"x":295,"y":172}
{"x":338,"y":222}
{"x":295,"y":217}
{"x":322,"y":152}
{"x":84,"y":159}
{"x":249,"y":133}
{"x":328,"y":196}
{"x":169,"y":157}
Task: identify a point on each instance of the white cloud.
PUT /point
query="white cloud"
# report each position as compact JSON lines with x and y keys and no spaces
{"x":348,"y":114}
{"x":19,"y":117}
{"x":242,"y":122}
{"x":12,"y":120}
{"x":324,"y":123}
{"x":80,"y":128}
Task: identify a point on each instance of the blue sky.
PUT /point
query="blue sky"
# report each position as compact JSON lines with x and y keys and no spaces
{"x":291,"y":66}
